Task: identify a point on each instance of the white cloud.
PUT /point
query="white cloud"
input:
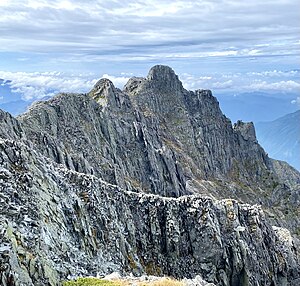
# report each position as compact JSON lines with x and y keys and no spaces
{"x":192,"y":82}
{"x":35,"y":85}
{"x":211,"y":40}
{"x":276,"y":73}
{"x":118,"y":81}
{"x":223,"y":85}
{"x":138,"y":30}
{"x":214,"y":82}
{"x":296,"y":101}
{"x":288,"y":85}
{"x":250,"y":52}
{"x":40,"y":84}
{"x":273,"y":81}
{"x":152,"y":8}
{"x":66,"y":5}
{"x":4,"y":2}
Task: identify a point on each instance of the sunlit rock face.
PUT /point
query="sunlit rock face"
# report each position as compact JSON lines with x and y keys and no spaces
{"x":153,"y":179}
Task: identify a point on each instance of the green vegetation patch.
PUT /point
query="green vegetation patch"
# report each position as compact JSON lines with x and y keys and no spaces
{"x":122,"y":282}
{"x":90,"y":282}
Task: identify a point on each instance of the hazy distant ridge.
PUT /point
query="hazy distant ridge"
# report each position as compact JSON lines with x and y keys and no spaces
{"x":281,"y":138}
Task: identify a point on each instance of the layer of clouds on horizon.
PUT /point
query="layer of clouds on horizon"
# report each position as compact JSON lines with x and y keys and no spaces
{"x":227,"y":46}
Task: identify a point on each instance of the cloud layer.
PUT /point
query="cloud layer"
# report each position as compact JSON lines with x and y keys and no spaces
{"x":37,"y":85}
{"x":150,"y":29}
{"x":223,"y":45}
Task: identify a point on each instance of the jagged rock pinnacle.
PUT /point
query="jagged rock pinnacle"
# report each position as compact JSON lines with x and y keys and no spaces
{"x":246,"y":129}
{"x":102,"y":90}
{"x":133,"y":84}
{"x":164,"y":77}
{"x":160,"y":72}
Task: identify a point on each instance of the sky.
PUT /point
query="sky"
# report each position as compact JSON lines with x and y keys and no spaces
{"x":229,"y":46}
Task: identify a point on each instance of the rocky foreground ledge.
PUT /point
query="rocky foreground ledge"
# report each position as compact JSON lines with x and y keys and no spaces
{"x":56,"y":223}
{"x":138,"y":182}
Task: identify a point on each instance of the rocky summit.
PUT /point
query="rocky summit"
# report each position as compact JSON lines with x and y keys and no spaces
{"x":149,"y":180}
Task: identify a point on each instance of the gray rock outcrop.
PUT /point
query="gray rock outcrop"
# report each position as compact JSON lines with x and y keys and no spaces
{"x":153,"y":179}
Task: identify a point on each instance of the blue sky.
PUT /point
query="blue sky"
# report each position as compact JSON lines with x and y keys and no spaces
{"x":229,"y":46}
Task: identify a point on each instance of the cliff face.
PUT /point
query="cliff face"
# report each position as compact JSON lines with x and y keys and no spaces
{"x":154,"y":135}
{"x":56,"y":222}
{"x":139,"y":181}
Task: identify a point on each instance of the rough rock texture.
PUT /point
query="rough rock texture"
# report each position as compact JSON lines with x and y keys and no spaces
{"x":156,"y":137}
{"x":56,"y":222}
{"x":9,"y":126}
{"x":139,"y":181}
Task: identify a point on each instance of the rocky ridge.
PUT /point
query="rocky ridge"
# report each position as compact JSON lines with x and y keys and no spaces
{"x":139,"y":181}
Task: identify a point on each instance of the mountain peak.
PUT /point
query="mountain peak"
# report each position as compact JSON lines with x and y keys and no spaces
{"x":159,"y":71}
{"x":164,"y":76}
{"x":102,"y":90}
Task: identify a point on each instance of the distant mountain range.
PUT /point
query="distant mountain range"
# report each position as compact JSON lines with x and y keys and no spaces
{"x":13,"y":102}
{"x":277,"y":121}
{"x":281,"y":138}
{"x":257,"y":106}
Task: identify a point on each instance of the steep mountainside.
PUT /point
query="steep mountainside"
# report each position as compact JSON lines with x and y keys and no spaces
{"x":281,"y":138}
{"x":152,"y":179}
{"x":154,"y":135}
